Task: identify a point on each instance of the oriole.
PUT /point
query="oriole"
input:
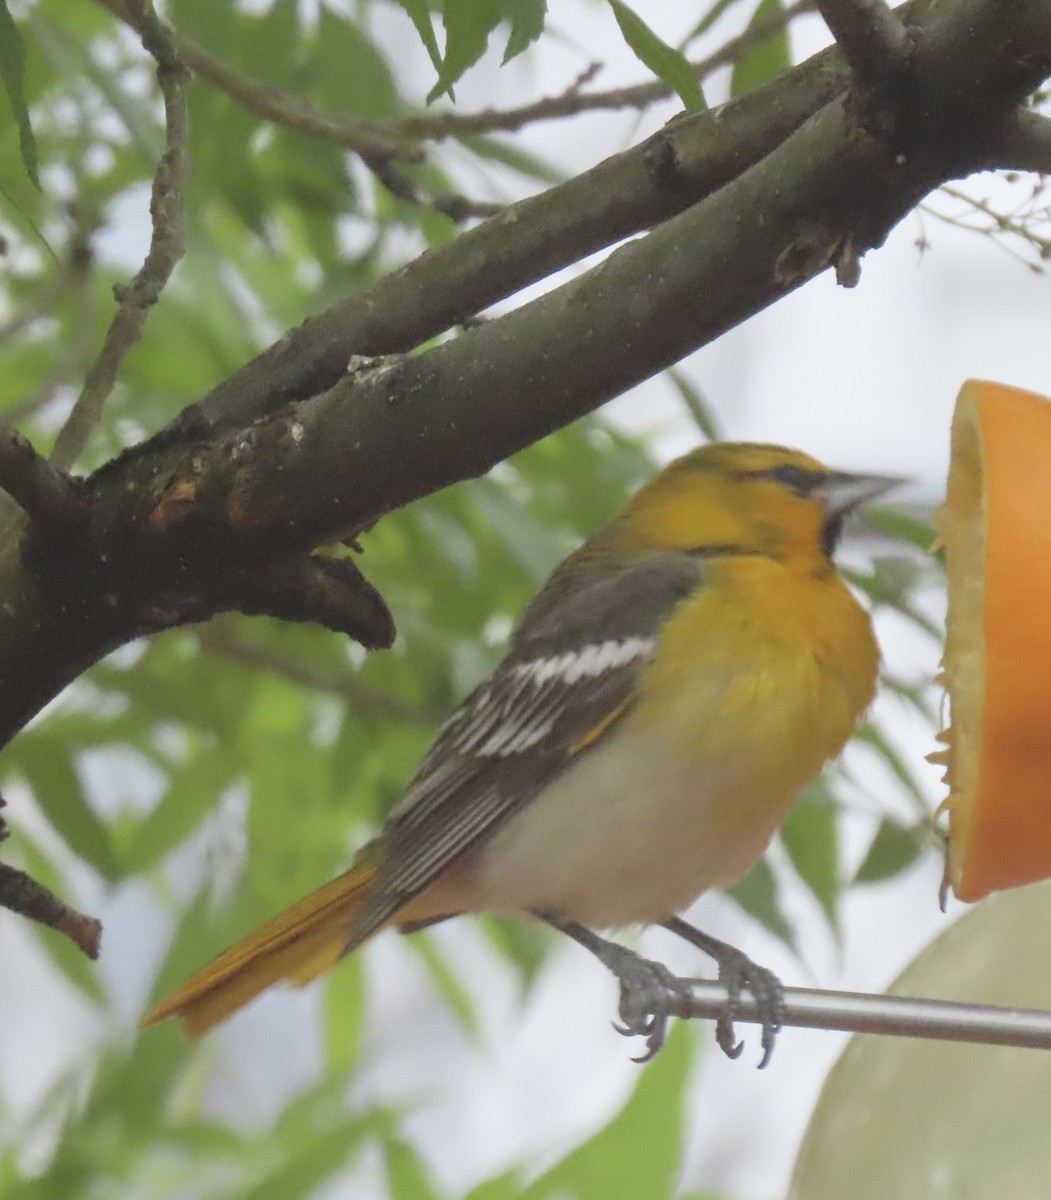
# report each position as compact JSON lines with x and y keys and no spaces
{"x":667,"y":693}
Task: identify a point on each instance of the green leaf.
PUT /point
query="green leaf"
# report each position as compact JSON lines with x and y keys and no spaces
{"x":193,"y":791}
{"x":767,"y":59}
{"x":894,"y":848}
{"x":347,"y":72}
{"x":501,"y":1187}
{"x":696,"y":404}
{"x":523,"y":944}
{"x":407,"y":1177}
{"x":810,"y":837}
{"x":344,"y":1007}
{"x":527,"y":24}
{"x":638,"y":1154}
{"x":515,"y":157}
{"x":12,"y":74}
{"x":468,"y":24}
{"x":447,"y":982}
{"x":310,"y":1161}
{"x":420,"y":14}
{"x":49,"y":772}
{"x":871,"y":735}
{"x":899,"y":525}
{"x":663,"y":60}
{"x":708,"y":20}
{"x":757,"y":894}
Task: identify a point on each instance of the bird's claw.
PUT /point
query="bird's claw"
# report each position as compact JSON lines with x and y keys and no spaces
{"x":649,"y":996}
{"x":737,"y":973}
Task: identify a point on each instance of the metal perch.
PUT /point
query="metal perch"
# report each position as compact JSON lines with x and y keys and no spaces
{"x":897,"y":1016}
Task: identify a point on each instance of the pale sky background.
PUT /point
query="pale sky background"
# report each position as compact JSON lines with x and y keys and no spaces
{"x":864,"y":379}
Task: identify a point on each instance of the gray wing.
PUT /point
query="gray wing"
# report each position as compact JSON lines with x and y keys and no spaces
{"x":558,"y":691}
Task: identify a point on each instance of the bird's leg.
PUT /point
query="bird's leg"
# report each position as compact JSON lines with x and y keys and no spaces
{"x":737,"y":972}
{"x":649,"y":992}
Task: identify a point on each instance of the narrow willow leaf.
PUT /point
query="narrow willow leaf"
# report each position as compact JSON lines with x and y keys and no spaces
{"x":663,"y":60}
{"x":764,"y":61}
{"x":894,"y":848}
{"x":12,"y":75}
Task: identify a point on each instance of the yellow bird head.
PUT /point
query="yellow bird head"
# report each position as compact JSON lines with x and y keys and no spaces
{"x":756,"y":498}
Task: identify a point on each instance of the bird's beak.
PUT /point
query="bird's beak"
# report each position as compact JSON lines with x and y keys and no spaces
{"x":841,"y":493}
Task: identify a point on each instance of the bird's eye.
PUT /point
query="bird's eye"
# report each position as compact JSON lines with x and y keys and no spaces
{"x":801,"y":480}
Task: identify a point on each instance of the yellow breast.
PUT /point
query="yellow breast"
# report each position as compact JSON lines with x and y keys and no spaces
{"x":766,"y":662}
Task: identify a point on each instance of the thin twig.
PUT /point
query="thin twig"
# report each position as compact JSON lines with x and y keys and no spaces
{"x":389,"y":139}
{"x":22,"y":894}
{"x":1019,"y":223}
{"x":360,"y":136}
{"x":216,"y":638}
{"x":874,"y":42}
{"x":435,"y":126}
{"x":48,"y":497}
{"x":167,"y":242}
{"x":459,"y":208}
{"x":895,"y":1016}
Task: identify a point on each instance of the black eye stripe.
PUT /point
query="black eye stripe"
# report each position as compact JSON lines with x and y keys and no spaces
{"x":801,"y":480}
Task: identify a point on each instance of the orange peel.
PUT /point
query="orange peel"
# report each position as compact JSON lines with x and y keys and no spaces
{"x":996,"y":528}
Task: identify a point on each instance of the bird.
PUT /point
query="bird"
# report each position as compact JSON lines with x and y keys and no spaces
{"x":665,"y":696}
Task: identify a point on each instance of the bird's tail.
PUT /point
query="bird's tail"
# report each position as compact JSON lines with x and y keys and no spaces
{"x":296,"y":946}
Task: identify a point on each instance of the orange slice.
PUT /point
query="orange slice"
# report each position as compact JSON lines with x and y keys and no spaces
{"x":996,"y":528}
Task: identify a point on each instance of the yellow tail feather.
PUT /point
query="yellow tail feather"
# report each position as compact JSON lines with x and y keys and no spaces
{"x":297,"y":945}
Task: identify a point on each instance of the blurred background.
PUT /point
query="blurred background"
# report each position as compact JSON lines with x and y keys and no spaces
{"x":189,"y":787}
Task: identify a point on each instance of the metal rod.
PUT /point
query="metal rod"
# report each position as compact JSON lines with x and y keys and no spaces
{"x":897,"y":1016}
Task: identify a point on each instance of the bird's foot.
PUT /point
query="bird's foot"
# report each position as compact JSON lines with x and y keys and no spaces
{"x":737,"y":972}
{"x":649,"y":996}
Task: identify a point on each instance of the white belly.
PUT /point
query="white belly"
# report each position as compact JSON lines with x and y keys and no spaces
{"x":627,"y":834}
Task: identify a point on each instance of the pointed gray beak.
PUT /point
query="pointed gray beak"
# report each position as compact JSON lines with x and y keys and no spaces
{"x":840,"y":493}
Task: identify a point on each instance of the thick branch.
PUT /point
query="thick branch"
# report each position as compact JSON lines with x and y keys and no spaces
{"x":686,"y":161}
{"x":50,"y":499}
{"x":873,"y":41}
{"x":1026,"y":145}
{"x":171,"y":524}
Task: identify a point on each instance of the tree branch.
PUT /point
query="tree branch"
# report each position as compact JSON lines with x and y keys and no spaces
{"x":873,"y":41}
{"x":22,"y":894}
{"x":1026,"y":145}
{"x":167,"y":243}
{"x":49,"y":498}
{"x":175,"y":524}
{"x":684,"y":162}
